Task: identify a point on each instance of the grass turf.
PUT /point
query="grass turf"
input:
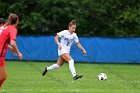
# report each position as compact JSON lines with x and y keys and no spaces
{"x":25,"y":77}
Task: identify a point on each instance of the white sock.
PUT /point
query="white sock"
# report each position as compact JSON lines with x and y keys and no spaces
{"x":72,"y":68}
{"x":54,"y":66}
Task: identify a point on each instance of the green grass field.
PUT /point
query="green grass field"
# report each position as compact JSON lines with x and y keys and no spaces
{"x":25,"y":77}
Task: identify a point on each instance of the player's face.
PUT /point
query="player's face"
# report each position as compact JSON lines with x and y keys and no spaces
{"x":72,"y":28}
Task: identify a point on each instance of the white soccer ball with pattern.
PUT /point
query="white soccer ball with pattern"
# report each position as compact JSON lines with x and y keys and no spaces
{"x":102,"y":76}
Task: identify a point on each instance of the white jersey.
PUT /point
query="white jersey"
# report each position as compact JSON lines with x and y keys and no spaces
{"x":67,"y":39}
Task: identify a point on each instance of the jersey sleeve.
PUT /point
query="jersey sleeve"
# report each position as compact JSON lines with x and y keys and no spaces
{"x":13,"y":33}
{"x":61,"y":34}
{"x":76,"y":38}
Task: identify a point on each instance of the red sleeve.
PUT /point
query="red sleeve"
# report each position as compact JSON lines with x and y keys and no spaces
{"x":13,"y":33}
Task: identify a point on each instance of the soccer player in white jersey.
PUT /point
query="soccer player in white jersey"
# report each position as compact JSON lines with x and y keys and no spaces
{"x":67,"y":38}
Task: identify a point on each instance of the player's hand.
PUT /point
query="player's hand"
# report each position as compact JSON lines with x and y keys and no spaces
{"x":59,"y":46}
{"x":84,"y":52}
{"x":20,"y":55}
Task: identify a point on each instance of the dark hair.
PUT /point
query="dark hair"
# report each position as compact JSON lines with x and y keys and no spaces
{"x":73,"y":22}
{"x":12,"y":19}
{"x":2,"y":21}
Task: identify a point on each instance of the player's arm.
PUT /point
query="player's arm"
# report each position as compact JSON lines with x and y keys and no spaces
{"x":14,"y":49}
{"x":57,"y":41}
{"x":11,"y":48}
{"x":81,"y":47}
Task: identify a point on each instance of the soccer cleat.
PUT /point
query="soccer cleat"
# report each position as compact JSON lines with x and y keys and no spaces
{"x":44,"y":72}
{"x":77,"y":77}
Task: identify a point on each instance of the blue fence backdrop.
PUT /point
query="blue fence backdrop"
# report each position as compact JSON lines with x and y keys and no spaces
{"x":112,"y":50}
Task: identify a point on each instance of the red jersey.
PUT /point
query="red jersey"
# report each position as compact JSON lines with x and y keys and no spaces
{"x":8,"y":33}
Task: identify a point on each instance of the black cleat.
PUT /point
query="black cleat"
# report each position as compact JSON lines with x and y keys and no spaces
{"x":77,"y":77}
{"x":44,"y":72}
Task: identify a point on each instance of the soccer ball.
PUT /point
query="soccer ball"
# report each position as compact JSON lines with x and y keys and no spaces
{"x":102,"y":76}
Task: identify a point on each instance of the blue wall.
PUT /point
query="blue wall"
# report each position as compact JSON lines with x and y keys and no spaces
{"x":112,"y":50}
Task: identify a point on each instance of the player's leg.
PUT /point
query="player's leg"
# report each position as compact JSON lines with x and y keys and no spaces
{"x":59,"y":63}
{"x":2,"y":75}
{"x":69,"y":59}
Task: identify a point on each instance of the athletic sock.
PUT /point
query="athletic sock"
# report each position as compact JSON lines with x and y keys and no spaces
{"x":54,"y":66}
{"x":72,"y":68}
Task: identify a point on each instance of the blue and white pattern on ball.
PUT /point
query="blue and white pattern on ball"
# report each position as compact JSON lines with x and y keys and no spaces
{"x":102,"y":76}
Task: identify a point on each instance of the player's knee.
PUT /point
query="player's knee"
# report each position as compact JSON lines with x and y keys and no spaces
{"x":71,"y":61}
{"x":3,"y":79}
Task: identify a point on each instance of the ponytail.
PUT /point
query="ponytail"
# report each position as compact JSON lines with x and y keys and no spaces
{"x":12,"y":19}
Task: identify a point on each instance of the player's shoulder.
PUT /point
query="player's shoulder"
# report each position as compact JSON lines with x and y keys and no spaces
{"x":11,"y":27}
{"x":65,"y":31}
{"x":74,"y":34}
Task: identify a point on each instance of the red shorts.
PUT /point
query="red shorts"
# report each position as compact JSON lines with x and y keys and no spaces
{"x":2,"y":62}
